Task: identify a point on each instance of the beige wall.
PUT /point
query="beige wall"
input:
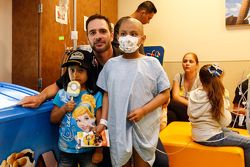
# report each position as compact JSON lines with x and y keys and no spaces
{"x":5,"y":40}
{"x":181,"y":26}
{"x":193,"y":25}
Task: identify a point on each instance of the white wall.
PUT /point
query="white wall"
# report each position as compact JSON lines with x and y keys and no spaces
{"x":5,"y":40}
{"x":193,"y":25}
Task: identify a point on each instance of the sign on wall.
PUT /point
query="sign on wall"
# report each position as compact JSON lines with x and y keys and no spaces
{"x":155,"y":51}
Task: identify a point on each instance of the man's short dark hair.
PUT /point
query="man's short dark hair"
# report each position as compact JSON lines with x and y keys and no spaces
{"x":101,"y":17}
{"x":148,"y":6}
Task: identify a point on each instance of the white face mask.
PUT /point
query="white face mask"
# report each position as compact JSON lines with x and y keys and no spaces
{"x":128,"y":43}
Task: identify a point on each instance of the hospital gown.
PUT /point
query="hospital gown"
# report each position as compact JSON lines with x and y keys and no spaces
{"x":131,"y":83}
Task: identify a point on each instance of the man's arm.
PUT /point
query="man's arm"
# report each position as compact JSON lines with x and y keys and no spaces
{"x":35,"y":101}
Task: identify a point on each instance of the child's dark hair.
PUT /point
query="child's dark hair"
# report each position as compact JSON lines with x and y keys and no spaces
{"x":210,"y":78}
{"x":91,"y":81}
{"x":92,"y":76}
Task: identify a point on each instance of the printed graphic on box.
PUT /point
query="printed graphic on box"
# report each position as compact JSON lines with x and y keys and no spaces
{"x":24,"y":158}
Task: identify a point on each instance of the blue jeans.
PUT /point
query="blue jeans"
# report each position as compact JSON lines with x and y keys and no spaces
{"x":230,"y":138}
{"x":72,"y":160}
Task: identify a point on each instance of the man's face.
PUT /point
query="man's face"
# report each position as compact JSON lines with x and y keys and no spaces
{"x":99,"y":36}
{"x":146,"y":17}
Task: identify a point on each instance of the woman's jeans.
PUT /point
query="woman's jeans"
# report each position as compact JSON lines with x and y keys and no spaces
{"x":72,"y":160}
{"x":231,"y":138}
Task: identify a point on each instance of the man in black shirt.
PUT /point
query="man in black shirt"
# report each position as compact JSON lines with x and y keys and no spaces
{"x":100,"y":38}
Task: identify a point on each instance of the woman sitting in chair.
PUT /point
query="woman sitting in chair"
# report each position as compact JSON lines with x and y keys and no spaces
{"x":183,"y":83}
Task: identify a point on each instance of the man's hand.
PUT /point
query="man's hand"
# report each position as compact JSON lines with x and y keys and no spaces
{"x":36,"y":101}
{"x":32,"y":101}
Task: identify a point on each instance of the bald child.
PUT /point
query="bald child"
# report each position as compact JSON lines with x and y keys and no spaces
{"x":136,"y":86}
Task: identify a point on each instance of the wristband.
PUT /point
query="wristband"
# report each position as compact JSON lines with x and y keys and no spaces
{"x":104,"y":122}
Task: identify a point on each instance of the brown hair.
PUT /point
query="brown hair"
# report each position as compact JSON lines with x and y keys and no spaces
{"x":215,"y":90}
{"x":194,"y":56}
{"x":100,"y":17}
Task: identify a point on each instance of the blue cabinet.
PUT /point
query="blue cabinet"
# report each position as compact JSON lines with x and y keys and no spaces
{"x":24,"y":128}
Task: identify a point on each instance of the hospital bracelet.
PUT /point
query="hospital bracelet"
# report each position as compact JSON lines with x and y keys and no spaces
{"x":104,"y":122}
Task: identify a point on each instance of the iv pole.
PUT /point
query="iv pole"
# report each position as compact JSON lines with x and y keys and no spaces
{"x":74,"y":33}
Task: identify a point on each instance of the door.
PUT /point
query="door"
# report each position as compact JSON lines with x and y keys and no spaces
{"x":109,"y":8}
{"x":39,"y":42}
{"x":25,"y":43}
{"x":51,"y":50}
